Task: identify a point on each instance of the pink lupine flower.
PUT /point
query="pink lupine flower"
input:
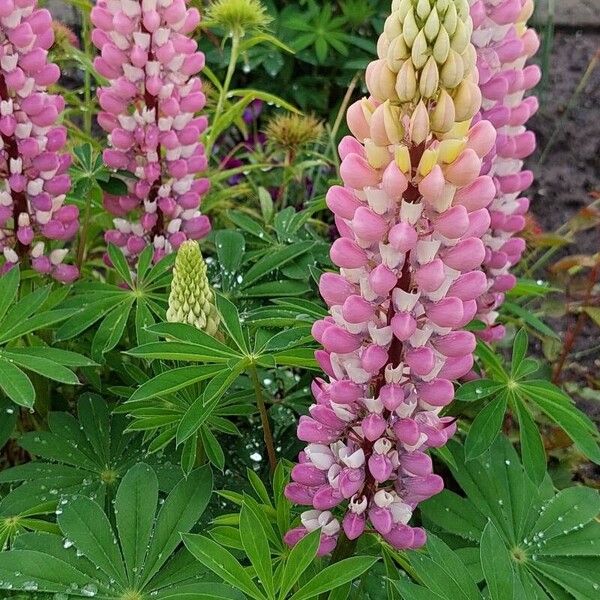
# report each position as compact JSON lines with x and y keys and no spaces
{"x":35,"y":180}
{"x":149,"y":110}
{"x":411,"y":215}
{"x":504,"y":44}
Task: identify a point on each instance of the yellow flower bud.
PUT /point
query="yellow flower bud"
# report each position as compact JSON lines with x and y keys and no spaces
{"x":392,"y":26}
{"x":410,"y":29}
{"x":442,"y":6}
{"x":441,"y":47}
{"x":467,"y":100}
{"x":452,"y":72}
{"x":397,"y":53}
{"x":392,"y":123}
{"x":462,"y":8}
{"x":430,"y":79}
{"x":378,"y":156}
{"x":419,"y":124}
{"x":403,"y":7}
{"x":450,"y":19}
{"x":423,"y":9}
{"x":449,"y":149}
{"x":420,"y":50}
{"x":461,"y":37}
{"x":427,"y":162}
{"x":443,"y":115}
{"x":402,"y":159}
{"x":406,"y":82}
{"x":432,"y":25}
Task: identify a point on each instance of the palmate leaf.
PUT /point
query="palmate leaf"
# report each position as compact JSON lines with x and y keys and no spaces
{"x":547,"y":536}
{"x":85,"y":456}
{"x":512,"y":387}
{"x":92,"y":558}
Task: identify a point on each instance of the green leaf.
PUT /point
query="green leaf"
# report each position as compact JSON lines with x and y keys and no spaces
{"x":62,"y":357}
{"x":135,"y":504}
{"x":222,"y":563}
{"x":479,"y":389}
{"x":181,"y":351}
{"x":411,"y":591}
{"x":485,"y":428}
{"x":231,"y":320}
{"x":519,"y":350}
{"x":568,"y":418}
{"x":493,"y":365}
{"x":15,"y":384}
{"x":335,"y":575}
{"x":213,"y":449}
{"x":256,"y":545}
{"x":85,"y":524}
{"x":170,"y":381}
{"x":119,"y":262}
{"x":38,"y":321}
{"x":455,"y":514}
{"x":47,"y":572}
{"x":530,"y":319}
{"x":10,"y":287}
{"x":179,"y":513}
{"x":7,"y":422}
{"x":298,"y":560}
{"x":274,"y":260}
{"x":230,"y":249}
{"x":42,"y":366}
{"x":111,"y":329}
{"x":532,"y":446}
{"x":496,"y":564}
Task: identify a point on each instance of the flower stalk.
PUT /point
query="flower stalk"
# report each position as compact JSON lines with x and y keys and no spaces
{"x":151,"y":62}
{"x":411,"y":215}
{"x":34,"y":171}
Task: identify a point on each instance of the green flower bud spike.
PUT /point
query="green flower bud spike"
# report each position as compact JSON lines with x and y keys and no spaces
{"x":191,"y":299}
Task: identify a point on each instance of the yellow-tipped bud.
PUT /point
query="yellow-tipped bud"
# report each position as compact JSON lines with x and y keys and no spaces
{"x":441,"y":47}
{"x":406,"y":82}
{"x":419,"y":124}
{"x":378,"y":156}
{"x":443,"y":115}
{"x":402,"y":159}
{"x":430,"y":79}
{"x":427,"y":162}
{"x":423,"y":9}
{"x":467,"y":100}
{"x":397,"y":53}
{"x":449,"y":149}
{"x":453,"y":70}
{"x":392,"y":26}
{"x":461,"y":37}
{"x":191,"y":299}
{"x":403,"y":7}
{"x":450,"y":19}
{"x":420,"y":50}
{"x":392,"y":123}
{"x":432,"y":26}
{"x":410,"y":29}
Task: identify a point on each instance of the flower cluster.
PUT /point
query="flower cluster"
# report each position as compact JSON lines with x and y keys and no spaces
{"x":149,"y":111}
{"x":191,"y":299}
{"x":411,"y":216}
{"x":503,"y":44}
{"x":33,"y":172}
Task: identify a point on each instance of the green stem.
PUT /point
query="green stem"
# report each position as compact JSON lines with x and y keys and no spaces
{"x":235,"y":52}
{"x":264,"y":418}
{"x":84,"y":231}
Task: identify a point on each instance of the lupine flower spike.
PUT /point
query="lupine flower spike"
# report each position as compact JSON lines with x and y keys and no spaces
{"x":34,"y":176}
{"x":411,"y":215}
{"x":149,"y":110}
{"x":191,"y":299}
{"x":504,"y":43}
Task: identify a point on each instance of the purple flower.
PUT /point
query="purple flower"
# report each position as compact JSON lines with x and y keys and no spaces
{"x":150,"y":112}
{"x":34,"y":173}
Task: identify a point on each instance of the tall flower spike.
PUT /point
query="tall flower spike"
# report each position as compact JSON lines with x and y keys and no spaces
{"x":149,"y":111}
{"x":504,"y":43}
{"x":191,"y":299}
{"x":34,"y":177}
{"x":410,"y":215}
